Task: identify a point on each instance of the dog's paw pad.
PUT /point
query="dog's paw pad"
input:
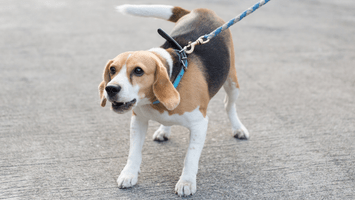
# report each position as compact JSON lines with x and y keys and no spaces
{"x":185,"y":188}
{"x":127,"y":180}
{"x":160,"y":135}
{"x":241,"y":133}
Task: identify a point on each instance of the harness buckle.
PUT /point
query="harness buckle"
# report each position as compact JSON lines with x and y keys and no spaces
{"x":183,"y":65}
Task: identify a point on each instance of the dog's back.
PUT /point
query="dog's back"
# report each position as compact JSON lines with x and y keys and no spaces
{"x":215,"y":56}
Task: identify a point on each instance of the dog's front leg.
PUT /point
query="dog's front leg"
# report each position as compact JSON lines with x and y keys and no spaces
{"x":187,"y":184}
{"x":129,"y":174}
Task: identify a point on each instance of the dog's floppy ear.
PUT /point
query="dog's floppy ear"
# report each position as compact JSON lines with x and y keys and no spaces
{"x":102,"y":96}
{"x":106,"y":77}
{"x":163,"y":89}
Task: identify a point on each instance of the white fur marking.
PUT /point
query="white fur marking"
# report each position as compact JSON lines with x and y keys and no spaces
{"x":127,"y":58}
{"x":239,"y":130}
{"x":157,"y":11}
{"x":166,"y":55}
{"x":129,"y":174}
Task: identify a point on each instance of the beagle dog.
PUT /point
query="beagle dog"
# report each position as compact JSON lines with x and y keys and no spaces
{"x":132,"y":81}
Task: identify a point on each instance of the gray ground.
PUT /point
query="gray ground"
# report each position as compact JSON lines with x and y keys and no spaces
{"x":295,"y":63}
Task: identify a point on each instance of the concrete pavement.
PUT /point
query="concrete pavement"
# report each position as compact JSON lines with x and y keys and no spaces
{"x":295,"y":64}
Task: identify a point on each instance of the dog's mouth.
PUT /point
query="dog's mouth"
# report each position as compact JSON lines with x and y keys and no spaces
{"x":123,"y":106}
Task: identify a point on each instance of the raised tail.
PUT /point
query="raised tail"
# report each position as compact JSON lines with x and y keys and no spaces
{"x":170,"y":13}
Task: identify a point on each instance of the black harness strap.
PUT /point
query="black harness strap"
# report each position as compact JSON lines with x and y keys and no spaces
{"x":181,"y":55}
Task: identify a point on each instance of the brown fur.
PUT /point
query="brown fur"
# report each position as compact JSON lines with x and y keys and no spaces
{"x":163,"y":89}
{"x":101,"y":92}
{"x":193,"y":91}
{"x":144,"y":60}
{"x":232,"y":71}
{"x":178,"y":12}
{"x":103,"y":84}
{"x":155,"y":83}
{"x":164,"y":62}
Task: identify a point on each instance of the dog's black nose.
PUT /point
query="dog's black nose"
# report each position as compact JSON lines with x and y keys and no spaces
{"x":112,"y":90}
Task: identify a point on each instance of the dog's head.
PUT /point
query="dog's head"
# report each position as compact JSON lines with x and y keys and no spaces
{"x":134,"y":79}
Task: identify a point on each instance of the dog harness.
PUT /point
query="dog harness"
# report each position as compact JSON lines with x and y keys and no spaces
{"x":181,"y":55}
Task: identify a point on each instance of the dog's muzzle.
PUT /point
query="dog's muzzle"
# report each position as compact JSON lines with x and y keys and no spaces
{"x":122,"y":107}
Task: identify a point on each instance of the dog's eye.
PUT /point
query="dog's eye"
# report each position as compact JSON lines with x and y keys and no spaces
{"x":138,"y":71}
{"x":112,"y":70}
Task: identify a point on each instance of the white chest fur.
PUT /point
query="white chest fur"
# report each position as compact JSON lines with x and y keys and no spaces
{"x":187,"y":119}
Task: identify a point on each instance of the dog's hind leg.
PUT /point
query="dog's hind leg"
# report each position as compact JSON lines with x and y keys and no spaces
{"x":162,"y":134}
{"x":231,"y":87}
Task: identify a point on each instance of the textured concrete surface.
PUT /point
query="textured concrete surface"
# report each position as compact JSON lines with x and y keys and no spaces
{"x":295,"y":62}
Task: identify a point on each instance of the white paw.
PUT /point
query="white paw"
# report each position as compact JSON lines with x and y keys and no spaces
{"x":241,"y":133}
{"x":162,"y":134}
{"x":127,"y":180}
{"x":185,"y":188}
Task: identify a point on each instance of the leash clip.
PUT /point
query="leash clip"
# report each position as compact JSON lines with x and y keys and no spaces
{"x":192,"y":45}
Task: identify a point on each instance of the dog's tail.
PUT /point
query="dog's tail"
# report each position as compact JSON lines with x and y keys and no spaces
{"x":169,"y":13}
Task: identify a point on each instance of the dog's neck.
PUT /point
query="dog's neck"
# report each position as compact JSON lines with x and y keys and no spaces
{"x":165,"y":57}
{"x":170,"y":60}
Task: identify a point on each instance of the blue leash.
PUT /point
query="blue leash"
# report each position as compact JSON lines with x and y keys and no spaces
{"x":225,"y":26}
{"x":235,"y":20}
